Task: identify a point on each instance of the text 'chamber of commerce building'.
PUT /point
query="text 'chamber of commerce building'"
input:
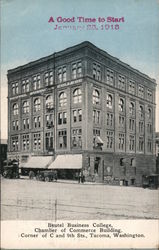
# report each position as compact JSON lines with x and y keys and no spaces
{"x":82,"y":109}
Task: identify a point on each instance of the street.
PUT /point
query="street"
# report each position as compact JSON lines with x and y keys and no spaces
{"x":24,"y":199}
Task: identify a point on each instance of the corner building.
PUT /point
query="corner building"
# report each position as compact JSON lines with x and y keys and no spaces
{"x":83,"y":101}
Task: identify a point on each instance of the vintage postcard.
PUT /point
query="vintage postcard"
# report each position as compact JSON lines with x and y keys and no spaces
{"x":79,"y":135}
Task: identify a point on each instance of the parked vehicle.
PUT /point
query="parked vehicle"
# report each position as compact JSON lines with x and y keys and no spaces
{"x":11,"y":169}
{"x":150,"y":181}
{"x":47,"y":175}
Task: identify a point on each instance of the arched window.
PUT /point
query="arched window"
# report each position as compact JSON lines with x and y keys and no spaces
{"x":109,"y":101}
{"x":121,"y":105}
{"x":36,"y":104}
{"x":141,"y":111}
{"x":149,"y":113}
{"x":25,"y":107}
{"x":131,"y":108}
{"x":77,"y":96}
{"x":96,"y":96}
{"x":62,"y":99}
{"x":49,"y":101}
{"x":15,"y":109}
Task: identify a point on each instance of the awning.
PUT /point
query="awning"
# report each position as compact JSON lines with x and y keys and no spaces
{"x":38,"y":162}
{"x":73,"y":161}
{"x":98,"y":140}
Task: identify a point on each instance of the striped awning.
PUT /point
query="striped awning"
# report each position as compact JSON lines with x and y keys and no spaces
{"x":38,"y":162}
{"x":68,"y":161}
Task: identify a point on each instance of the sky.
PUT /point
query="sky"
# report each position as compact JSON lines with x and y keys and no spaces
{"x":26,"y":34}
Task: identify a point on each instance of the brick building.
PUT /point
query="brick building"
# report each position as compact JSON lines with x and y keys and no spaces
{"x":83,"y":101}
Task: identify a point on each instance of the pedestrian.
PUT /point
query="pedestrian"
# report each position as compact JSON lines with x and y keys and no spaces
{"x":80,"y":177}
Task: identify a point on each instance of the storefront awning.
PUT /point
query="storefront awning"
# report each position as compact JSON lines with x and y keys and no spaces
{"x":67,"y":162}
{"x":98,"y":140}
{"x":38,"y":162}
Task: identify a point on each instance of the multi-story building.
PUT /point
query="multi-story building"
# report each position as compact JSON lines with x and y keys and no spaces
{"x":3,"y":153}
{"x":83,"y":101}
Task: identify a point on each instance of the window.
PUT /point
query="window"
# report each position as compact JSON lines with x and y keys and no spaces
{"x":15,"y":125}
{"x":36,"y":82}
{"x":121,"y":105}
{"x":110,"y":120}
{"x":149,"y":95}
{"x":141,"y":127}
{"x":131,"y":124}
{"x":36,"y":105}
{"x":48,"y":78}
{"x":25,"y":142}
{"x":121,"y":121}
{"x":15,"y":109}
{"x":121,"y":142}
{"x":141,"y":112}
{"x":14,"y":143}
{"x":141,"y":144}
{"x":26,"y":123}
{"x":141,"y":91}
{"x":121,"y":162}
{"x":62,"y":74}
{"x":110,"y":139}
{"x":121,"y":82}
{"x":62,"y":99}
{"x":77,"y":138}
{"x":25,"y":107}
{"x":96,"y":133}
{"x":77,"y":96}
{"x":25,"y":86}
{"x":149,"y":128}
{"x":96,"y":71}
{"x":132,"y":162}
{"x":37,"y":122}
{"x":62,"y":138}
{"x":149,"y":113}
{"x":96,"y":96}
{"x":96,"y":116}
{"x":15,"y":88}
{"x":131,"y":142}
{"x":132,"y":108}
{"x":49,"y":102}
{"x":77,"y":115}
{"x":49,"y":141}
{"x":149,"y":146}
{"x":62,"y":118}
{"x":132,"y":87}
{"x":109,"y":101}
{"x":37,"y":142}
{"x":110,"y":77}
{"x":76,"y":70}
{"x":49,"y":121}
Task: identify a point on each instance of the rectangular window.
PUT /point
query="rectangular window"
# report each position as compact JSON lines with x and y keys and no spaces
{"x":14,"y":143}
{"x":48,"y":78}
{"x":25,"y":142}
{"x":121,"y":82}
{"x":110,"y":139}
{"x":36,"y":82}
{"x":49,"y":121}
{"x":62,"y":118}
{"x":141,"y":91}
{"x":96,"y":71}
{"x":121,"y":142}
{"x":132,"y":143}
{"x":110,"y":77}
{"x":131,"y":124}
{"x":149,"y":95}
{"x":141,"y":144}
{"x":149,"y":146}
{"x":37,"y":142}
{"x":62,"y":138}
{"x":62,"y":74}
{"x":132,"y":87}
{"x":96,"y":116}
{"x":141,"y":127}
{"x":49,"y":141}
{"x":76,"y":70}
{"x":77,"y":138}
{"x":149,"y":128}
{"x":121,"y":121}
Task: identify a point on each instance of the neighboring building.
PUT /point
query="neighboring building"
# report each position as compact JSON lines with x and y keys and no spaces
{"x":157,"y":152}
{"x":84,"y":101}
{"x":3,"y":153}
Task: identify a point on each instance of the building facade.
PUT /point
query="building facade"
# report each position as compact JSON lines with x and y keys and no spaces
{"x":3,"y":153}
{"x":84,"y":101}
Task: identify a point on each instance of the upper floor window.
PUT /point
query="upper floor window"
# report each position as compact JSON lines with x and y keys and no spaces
{"x":149,"y":113}
{"x":141,"y":112}
{"x":109,"y":101}
{"x":15,"y":88}
{"x":149,"y":95}
{"x":132,"y":108}
{"x":62,"y":99}
{"x":131,"y":142}
{"x":49,"y":102}
{"x":15,"y":125}
{"x":25,"y":107}
{"x":121,"y":82}
{"x":76,"y":70}
{"x":48,"y":78}
{"x":37,"y":141}
{"x":110,"y":76}
{"x":131,"y":87}
{"x":62,"y":74}
{"x":15,"y":109}
{"x":49,"y":122}
{"x":96,"y":96}
{"x":77,"y":96}
{"x":96,"y":116}
{"x":96,"y":71}
{"x":25,"y":86}
{"x":121,"y":141}
{"x":141,"y":91}
{"x":77,"y":115}
{"x":36,"y":104}
{"x":36,"y":82}
{"x":121,"y":105}
{"x":15,"y":143}
{"x":25,"y":142}
{"x":62,"y":139}
{"x":110,"y":120}
{"x":110,"y":139}
{"x":77,"y":138}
